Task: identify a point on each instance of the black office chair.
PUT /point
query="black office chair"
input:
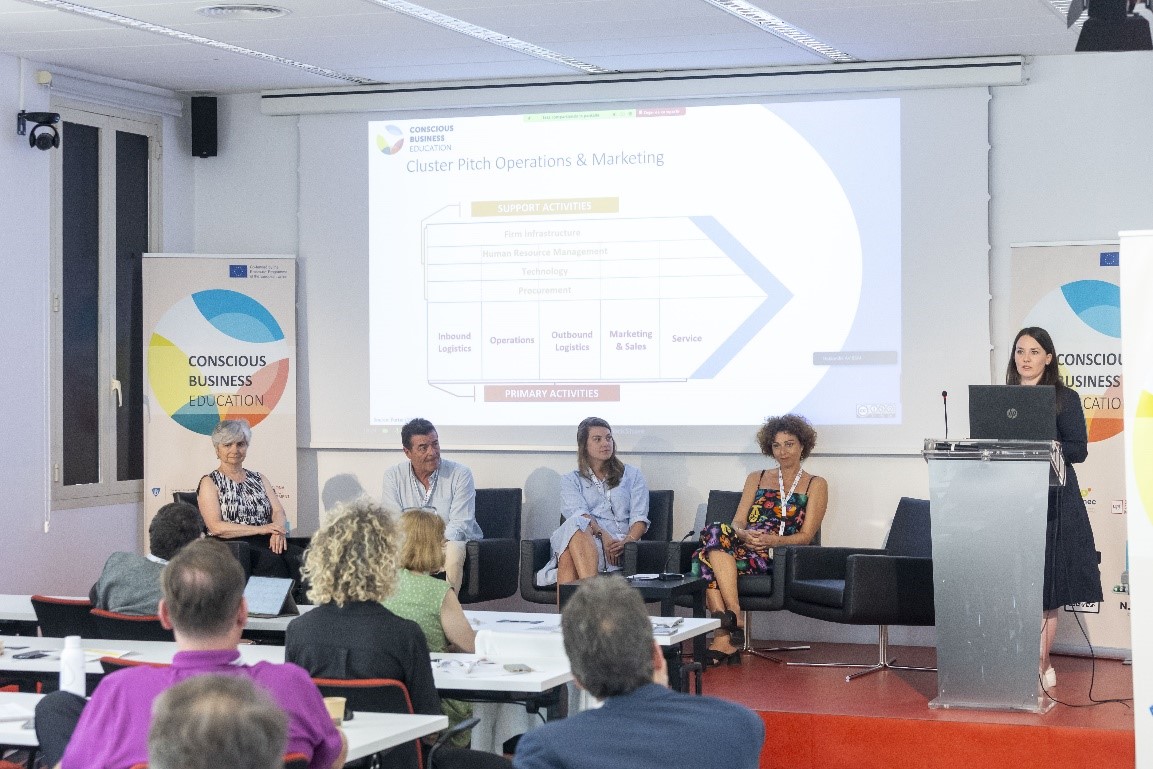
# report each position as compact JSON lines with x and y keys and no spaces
{"x":490,"y":564}
{"x":188,"y":497}
{"x":241,"y":550}
{"x":756,"y":592}
{"x":112,"y":664}
{"x":60,"y":617}
{"x":115,"y":626}
{"x":857,"y":586}
{"x":535,"y":553}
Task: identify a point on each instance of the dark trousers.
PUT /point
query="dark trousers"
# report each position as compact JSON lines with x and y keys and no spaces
{"x":56,"y":717}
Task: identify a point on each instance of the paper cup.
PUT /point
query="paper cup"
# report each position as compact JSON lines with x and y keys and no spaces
{"x":335,"y":707}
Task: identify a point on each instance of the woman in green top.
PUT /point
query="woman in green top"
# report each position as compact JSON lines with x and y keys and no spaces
{"x":431,"y":602}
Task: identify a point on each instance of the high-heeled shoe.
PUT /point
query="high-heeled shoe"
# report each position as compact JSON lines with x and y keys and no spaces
{"x":728,"y":619}
{"x":714,"y":658}
{"x":729,"y":623}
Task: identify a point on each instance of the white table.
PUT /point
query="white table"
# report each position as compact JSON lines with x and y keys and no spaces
{"x":370,"y":733}
{"x":19,"y":734}
{"x":18,"y":608}
{"x":683,"y":628}
{"x":546,"y":673}
{"x":367,"y":733}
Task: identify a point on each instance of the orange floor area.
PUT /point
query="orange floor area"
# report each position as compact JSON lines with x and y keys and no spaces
{"x":814,"y":719}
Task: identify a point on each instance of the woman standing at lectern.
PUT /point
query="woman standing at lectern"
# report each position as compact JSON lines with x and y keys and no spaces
{"x":1071,"y":571}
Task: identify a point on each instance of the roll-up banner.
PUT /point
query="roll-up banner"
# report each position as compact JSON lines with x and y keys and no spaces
{"x":1137,"y":347}
{"x":219,"y":343}
{"x":1071,"y":290}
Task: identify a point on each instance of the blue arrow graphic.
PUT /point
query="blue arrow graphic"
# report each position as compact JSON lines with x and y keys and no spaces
{"x":776,"y":296}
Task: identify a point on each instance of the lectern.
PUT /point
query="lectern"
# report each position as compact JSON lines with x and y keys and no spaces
{"x":988,"y":504}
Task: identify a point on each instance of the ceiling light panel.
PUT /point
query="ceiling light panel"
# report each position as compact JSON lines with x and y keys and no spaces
{"x":243,"y":12}
{"x":487,"y":35}
{"x":786,"y":30}
{"x":918,"y":29}
{"x":634,"y":35}
{"x":139,"y":25}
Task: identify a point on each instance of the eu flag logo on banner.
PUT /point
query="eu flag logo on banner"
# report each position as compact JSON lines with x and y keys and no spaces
{"x":238,"y":270}
{"x":1110,"y":258}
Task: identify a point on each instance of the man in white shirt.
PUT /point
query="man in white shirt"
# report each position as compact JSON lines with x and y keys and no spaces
{"x":428,"y":481}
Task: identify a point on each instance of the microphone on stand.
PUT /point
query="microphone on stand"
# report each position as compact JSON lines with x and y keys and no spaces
{"x":675,"y":551}
{"x":945,"y":405}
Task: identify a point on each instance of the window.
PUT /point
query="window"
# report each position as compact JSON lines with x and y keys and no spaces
{"x":105,"y":214}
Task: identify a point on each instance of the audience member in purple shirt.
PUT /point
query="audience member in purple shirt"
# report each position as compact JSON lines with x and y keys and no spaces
{"x":203,"y":602}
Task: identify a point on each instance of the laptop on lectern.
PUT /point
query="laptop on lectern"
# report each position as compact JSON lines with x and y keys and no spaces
{"x":1013,"y":412}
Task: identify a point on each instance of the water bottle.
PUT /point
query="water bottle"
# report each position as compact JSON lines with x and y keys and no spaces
{"x":72,"y":666}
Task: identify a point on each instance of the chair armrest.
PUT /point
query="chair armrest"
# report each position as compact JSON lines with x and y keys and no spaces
{"x":646,"y":557}
{"x":490,"y":570}
{"x":534,"y":554}
{"x":889,"y":590}
{"x":681,"y":554}
{"x":819,"y":562}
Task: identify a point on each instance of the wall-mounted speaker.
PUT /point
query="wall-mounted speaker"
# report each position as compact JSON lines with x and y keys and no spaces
{"x":204,"y":126}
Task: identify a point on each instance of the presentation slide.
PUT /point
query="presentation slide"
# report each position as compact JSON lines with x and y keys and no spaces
{"x":697,"y":265}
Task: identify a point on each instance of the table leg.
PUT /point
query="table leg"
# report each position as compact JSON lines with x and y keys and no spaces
{"x":699,"y":642}
{"x":672,"y":654}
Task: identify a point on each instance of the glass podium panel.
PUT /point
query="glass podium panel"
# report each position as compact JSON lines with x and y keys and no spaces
{"x":988,"y":516}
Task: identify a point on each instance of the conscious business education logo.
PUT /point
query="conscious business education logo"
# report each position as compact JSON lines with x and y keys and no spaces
{"x":216,"y":355}
{"x":1084,"y":317}
{"x":390,"y":144}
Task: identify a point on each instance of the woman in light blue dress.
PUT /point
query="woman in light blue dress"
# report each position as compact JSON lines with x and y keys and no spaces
{"x":605,"y":504}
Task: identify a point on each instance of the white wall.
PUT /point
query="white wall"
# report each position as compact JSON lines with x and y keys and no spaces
{"x":67,"y":559}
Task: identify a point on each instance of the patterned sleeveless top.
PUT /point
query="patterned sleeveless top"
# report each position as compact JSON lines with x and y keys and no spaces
{"x":766,"y":514}
{"x":243,"y":502}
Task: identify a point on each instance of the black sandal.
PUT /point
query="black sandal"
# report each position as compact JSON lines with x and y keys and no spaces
{"x":729,"y":624}
{"x":713,"y":658}
{"x":728,"y":619}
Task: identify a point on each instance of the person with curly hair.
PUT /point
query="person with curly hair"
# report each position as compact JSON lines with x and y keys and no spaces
{"x":778,"y":508}
{"x":352,"y":564}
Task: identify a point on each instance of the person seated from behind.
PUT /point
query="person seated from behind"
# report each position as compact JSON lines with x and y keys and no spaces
{"x":203,"y":604}
{"x":431,"y":602}
{"x":352,"y":566}
{"x":642,"y":724}
{"x":130,"y":583}
{"x":215,"y":721}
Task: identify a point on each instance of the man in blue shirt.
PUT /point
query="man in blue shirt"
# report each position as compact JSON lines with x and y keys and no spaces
{"x":642,"y":724}
{"x":428,"y":481}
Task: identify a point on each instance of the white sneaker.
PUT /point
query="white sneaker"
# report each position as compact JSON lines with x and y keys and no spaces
{"x":1049,"y":678}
